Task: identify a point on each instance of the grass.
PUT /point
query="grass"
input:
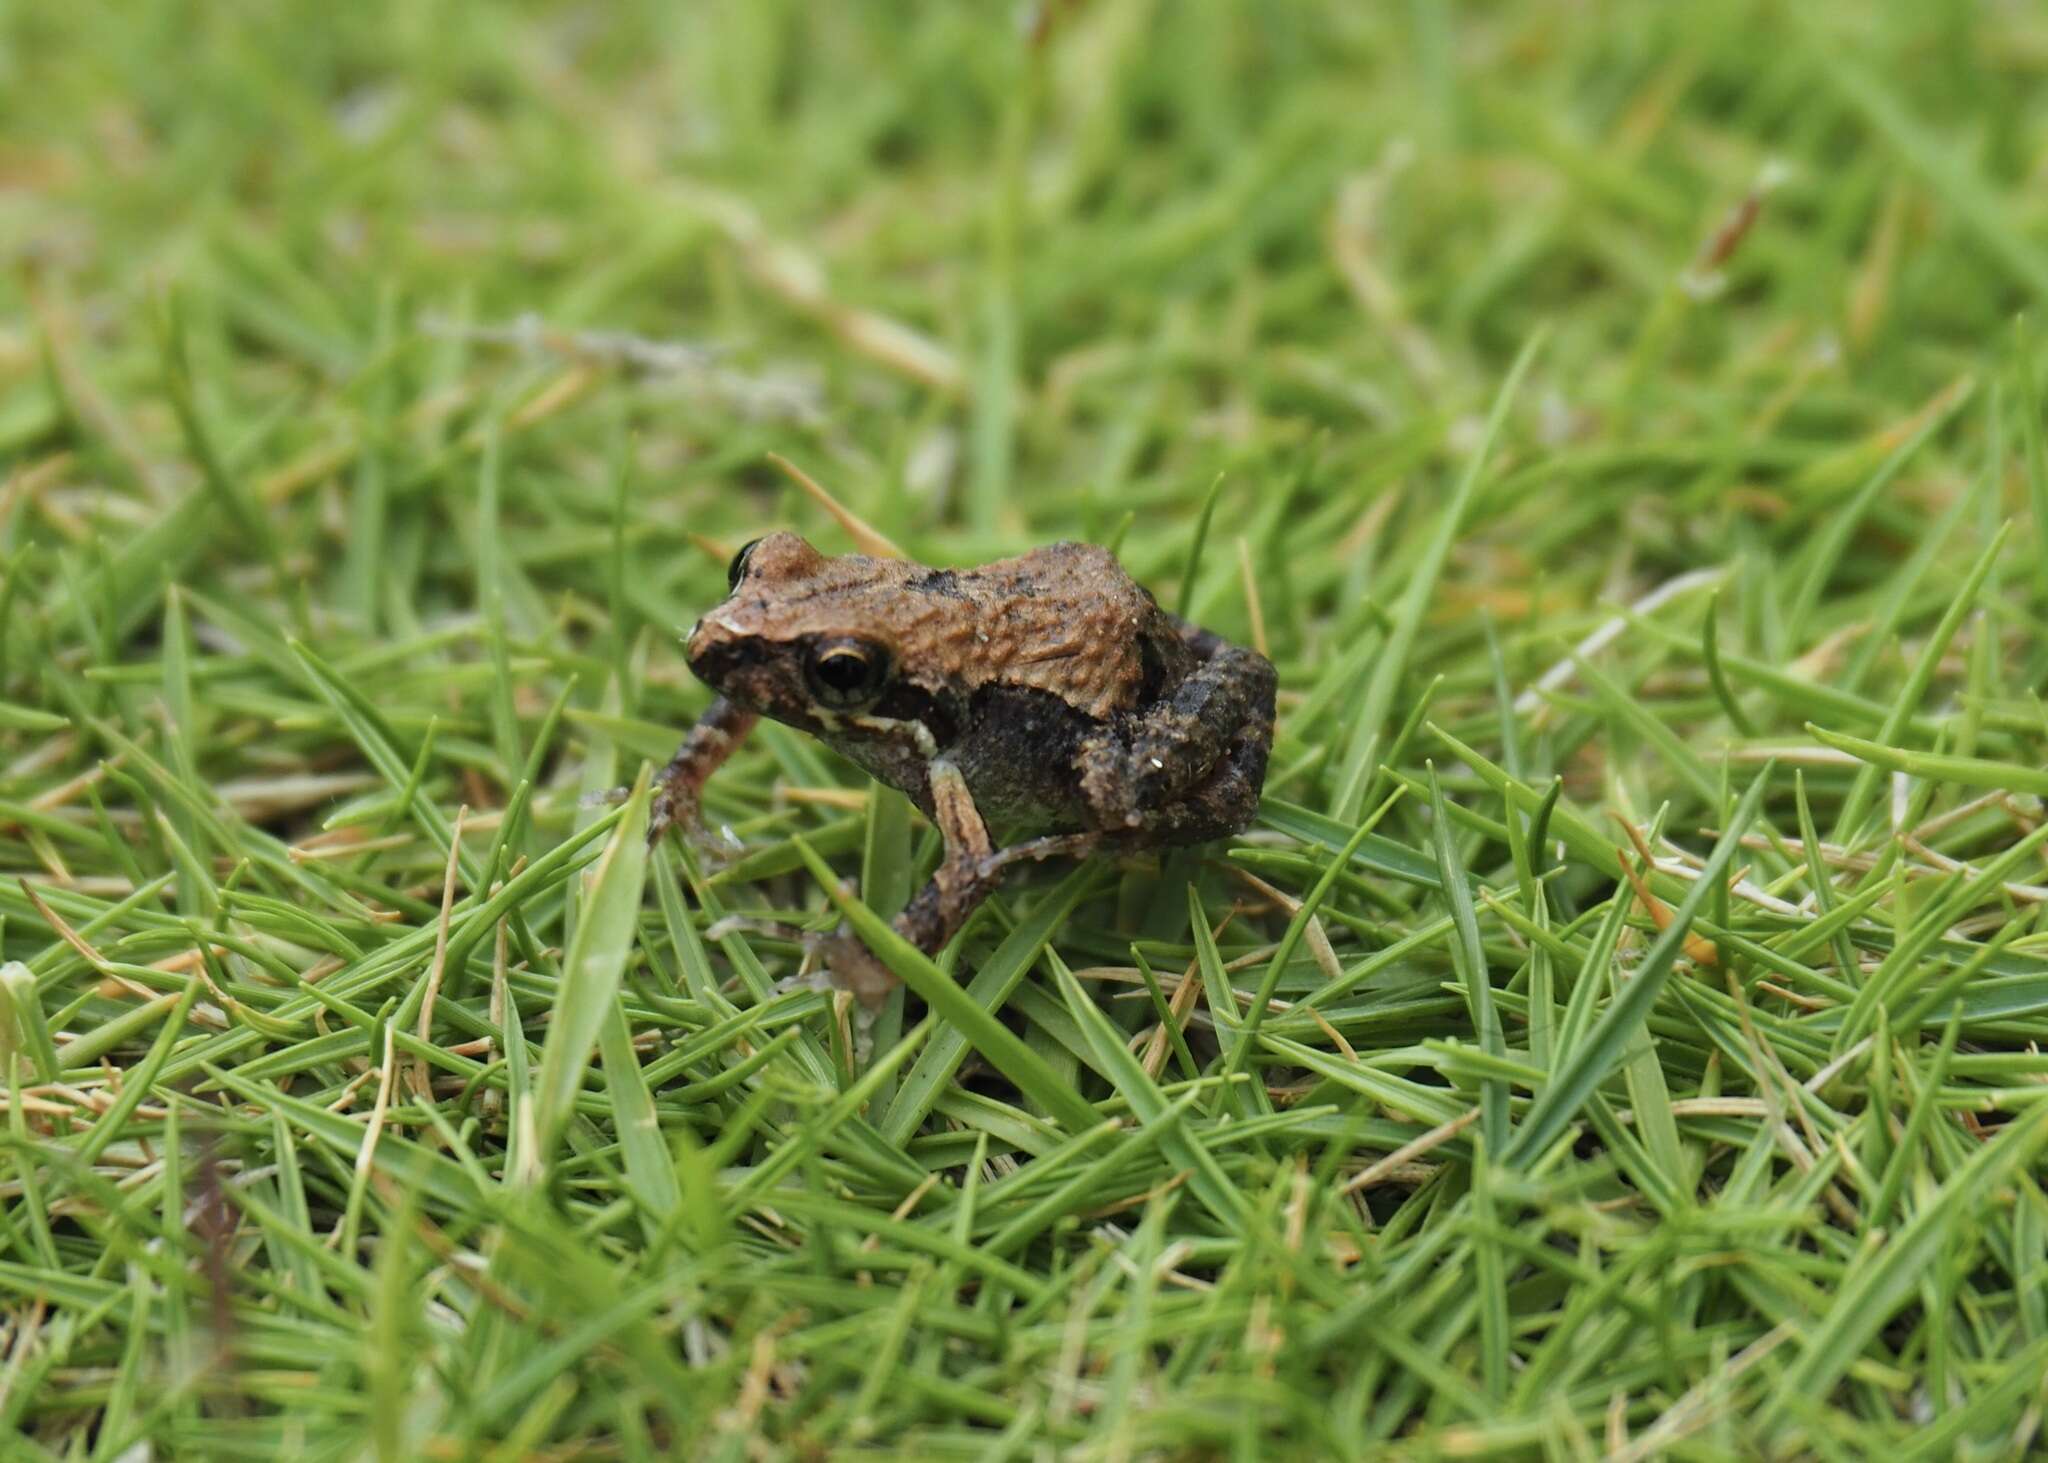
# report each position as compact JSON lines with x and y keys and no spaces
{"x":1619,"y":1036}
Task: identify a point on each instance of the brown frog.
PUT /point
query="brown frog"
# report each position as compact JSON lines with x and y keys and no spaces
{"x":1047,"y":693}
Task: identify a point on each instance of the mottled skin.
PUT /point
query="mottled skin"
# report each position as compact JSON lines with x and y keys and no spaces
{"x":1047,"y":693}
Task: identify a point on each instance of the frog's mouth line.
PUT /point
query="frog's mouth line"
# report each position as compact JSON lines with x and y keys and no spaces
{"x":888,"y":726}
{"x":903,"y":701}
{"x":902,"y":710}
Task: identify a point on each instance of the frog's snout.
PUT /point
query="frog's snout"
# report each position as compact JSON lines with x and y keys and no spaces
{"x":714,"y":654}
{"x":700,"y":652}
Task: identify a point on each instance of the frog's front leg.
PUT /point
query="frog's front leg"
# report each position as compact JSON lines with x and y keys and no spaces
{"x":968,"y":872}
{"x":1188,"y":762}
{"x":722,"y":727}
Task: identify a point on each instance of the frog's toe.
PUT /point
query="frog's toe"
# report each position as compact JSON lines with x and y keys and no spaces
{"x":666,"y":812}
{"x":712,"y":848}
{"x":715,"y":849}
{"x":854,"y":967}
{"x":803,"y":980}
{"x":1035,"y":850}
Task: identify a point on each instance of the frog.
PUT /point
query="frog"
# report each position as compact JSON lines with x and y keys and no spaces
{"x":1047,"y":696}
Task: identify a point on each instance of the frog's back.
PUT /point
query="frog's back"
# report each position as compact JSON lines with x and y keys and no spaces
{"x":1067,"y":620}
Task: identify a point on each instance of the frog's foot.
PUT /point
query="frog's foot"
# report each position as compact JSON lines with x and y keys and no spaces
{"x":1032,"y":850}
{"x":852,"y":966}
{"x":712,"y":848}
{"x":670,"y":810}
{"x":733,"y":924}
{"x":820,"y":979}
{"x":715,"y":849}
{"x":806,"y":979}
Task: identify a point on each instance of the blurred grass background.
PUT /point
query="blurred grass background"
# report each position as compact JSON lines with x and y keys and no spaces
{"x":382,"y":386}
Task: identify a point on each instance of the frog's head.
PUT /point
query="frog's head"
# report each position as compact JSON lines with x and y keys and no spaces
{"x":800,"y":637}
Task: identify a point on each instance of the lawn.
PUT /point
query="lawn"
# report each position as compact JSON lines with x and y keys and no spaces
{"x":1618,"y":1036}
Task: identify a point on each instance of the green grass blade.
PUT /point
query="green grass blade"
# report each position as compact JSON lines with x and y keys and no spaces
{"x":1587,"y":1063}
{"x":1032,"y":1074}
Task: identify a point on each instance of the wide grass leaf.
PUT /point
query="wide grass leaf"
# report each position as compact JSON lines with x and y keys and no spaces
{"x":606,"y":925}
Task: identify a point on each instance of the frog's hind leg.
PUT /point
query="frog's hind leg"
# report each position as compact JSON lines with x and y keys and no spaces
{"x":963,"y":879}
{"x":1196,"y":758}
{"x":1187,"y":771}
{"x":722,"y":727}
{"x":1221,"y":806}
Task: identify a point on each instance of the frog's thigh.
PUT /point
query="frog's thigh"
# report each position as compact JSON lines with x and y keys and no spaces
{"x":1156,"y":759}
{"x":954,"y":811}
{"x":1224,"y":804}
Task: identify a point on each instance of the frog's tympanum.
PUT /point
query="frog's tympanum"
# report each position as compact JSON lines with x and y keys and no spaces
{"x":1047,"y":694}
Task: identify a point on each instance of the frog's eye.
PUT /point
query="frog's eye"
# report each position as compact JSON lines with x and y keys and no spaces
{"x":846,"y":674}
{"x":738,"y":566}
